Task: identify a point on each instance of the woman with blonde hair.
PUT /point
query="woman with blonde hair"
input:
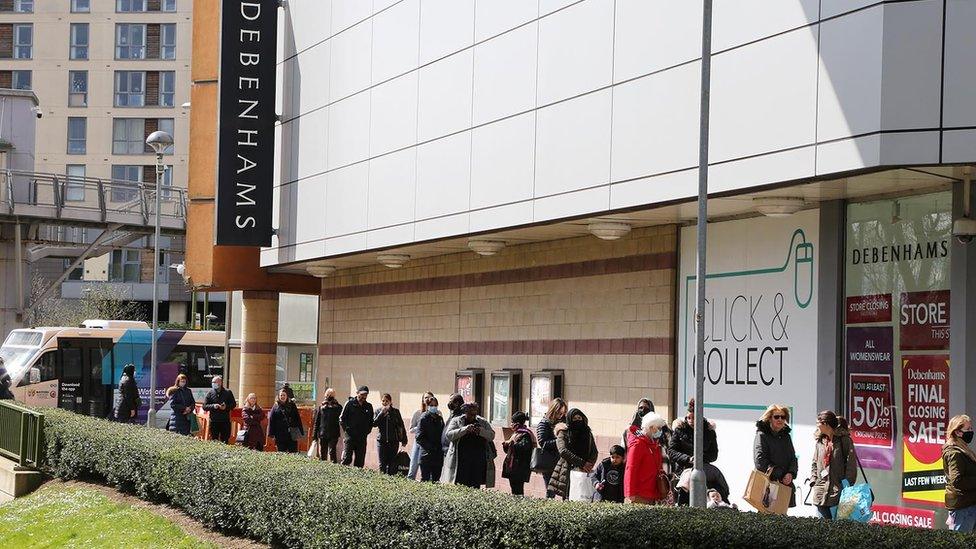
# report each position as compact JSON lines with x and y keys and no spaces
{"x":773,"y":450}
{"x":959,"y":464}
{"x":182,"y":404}
{"x":546,"y":435}
{"x":253,"y":417}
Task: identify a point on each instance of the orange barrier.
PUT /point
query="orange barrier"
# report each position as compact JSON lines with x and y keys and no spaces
{"x":306,"y":413}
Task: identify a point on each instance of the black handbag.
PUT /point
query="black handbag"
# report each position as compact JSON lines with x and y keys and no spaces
{"x":543,"y":461}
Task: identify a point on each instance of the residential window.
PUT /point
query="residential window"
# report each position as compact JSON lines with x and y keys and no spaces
{"x":130,"y":88}
{"x":23,"y":41}
{"x":75,"y":184}
{"x":19,"y":6}
{"x":16,"y":80}
{"x":167,"y":88}
{"x":80,"y":6}
{"x":129,"y":134}
{"x":79,"y":41}
{"x":130,"y":41}
{"x":77,"y":135}
{"x":167,"y":47}
{"x":168,"y":5}
{"x":77,"y":88}
{"x":130,"y":5}
{"x":121,"y":174}
{"x":167,"y":125}
{"x":125,"y":266}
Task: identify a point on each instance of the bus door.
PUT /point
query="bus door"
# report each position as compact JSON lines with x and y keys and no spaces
{"x":81,"y":388}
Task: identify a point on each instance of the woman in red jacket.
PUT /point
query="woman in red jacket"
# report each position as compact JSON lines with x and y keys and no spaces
{"x":644,"y":459}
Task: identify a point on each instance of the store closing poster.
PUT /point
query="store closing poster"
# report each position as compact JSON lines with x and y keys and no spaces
{"x":897,"y":369}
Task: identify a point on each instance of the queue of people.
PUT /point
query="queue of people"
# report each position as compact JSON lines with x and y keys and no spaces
{"x":649,"y":467}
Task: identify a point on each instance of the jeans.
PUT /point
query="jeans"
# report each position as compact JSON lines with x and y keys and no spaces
{"x":220,"y":431}
{"x":327,"y":449}
{"x":353,"y":446}
{"x":825,"y":512}
{"x":963,"y":520}
{"x":388,"y":453}
{"x":414,"y":461}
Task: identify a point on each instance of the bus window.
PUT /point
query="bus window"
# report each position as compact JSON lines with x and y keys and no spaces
{"x":192,"y":361}
{"x":48,"y":366}
{"x":215,"y":361}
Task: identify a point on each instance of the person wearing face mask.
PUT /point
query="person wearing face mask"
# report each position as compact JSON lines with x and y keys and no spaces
{"x":253,"y":418}
{"x":645,"y":457}
{"x":182,"y":404}
{"x":577,"y":451}
{"x":959,"y":464}
{"x":430,"y":429}
{"x":391,"y":436}
{"x":218,"y":403}
{"x":773,"y":447}
{"x":834,"y":461}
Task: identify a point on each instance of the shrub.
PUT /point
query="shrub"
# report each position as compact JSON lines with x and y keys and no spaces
{"x":291,"y":501}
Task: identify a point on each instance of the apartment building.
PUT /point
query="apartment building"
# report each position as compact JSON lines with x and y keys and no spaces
{"x":107,"y":73}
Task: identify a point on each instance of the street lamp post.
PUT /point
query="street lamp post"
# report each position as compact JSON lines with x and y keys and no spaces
{"x":698,"y":483}
{"x":159,"y":141}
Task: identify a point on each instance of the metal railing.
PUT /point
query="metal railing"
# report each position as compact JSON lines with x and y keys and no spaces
{"x":70,"y":196}
{"x":21,"y":434}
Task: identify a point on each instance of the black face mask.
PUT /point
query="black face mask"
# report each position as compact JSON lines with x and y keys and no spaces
{"x":967,"y":436}
{"x":643,"y":411}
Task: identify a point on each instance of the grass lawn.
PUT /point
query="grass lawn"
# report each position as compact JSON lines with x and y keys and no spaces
{"x":62,"y":516}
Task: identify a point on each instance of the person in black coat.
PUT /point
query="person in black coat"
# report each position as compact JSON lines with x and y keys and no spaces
{"x":518,"y":454}
{"x":773,"y":447}
{"x":325,"y":427}
{"x":429,"y":432}
{"x":285,"y":424}
{"x":356,"y":420}
{"x":129,"y":400}
{"x":681,"y":452}
{"x":218,"y":403}
{"x":546,"y":436}
{"x":182,"y":404}
{"x":392,"y":434}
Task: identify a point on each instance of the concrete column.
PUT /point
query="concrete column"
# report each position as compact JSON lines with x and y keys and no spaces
{"x":962,"y":316}
{"x":11,"y":301}
{"x":259,"y":342}
{"x":830,"y":305}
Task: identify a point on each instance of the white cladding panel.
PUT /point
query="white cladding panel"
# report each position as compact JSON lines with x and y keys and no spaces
{"x":422,"y":119}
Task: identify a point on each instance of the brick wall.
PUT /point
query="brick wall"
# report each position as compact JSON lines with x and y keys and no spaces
{"x":601,"y":311}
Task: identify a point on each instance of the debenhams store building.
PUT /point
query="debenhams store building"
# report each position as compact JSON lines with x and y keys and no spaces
{"x":498,"y":197}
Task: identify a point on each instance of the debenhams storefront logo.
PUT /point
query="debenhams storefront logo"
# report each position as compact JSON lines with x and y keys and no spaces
{"x":934,"y":249}
{"x":248,"y":37}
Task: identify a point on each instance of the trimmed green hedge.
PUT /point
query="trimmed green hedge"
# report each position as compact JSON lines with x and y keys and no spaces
{"x":288,"y":500}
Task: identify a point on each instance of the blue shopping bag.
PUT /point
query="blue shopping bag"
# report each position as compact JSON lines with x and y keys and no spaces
{"x":855,"y":501}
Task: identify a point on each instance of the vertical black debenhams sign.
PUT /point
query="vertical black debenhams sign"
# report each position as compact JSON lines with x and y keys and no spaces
{"x":245,"y":169}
